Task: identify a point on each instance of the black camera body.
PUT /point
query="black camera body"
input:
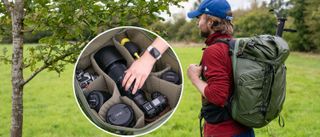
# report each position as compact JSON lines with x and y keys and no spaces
{"x":150,"y":108}
{"x":112,"y":63}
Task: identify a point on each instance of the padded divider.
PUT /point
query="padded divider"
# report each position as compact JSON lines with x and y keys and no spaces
{"x":84,"y":63}
{"x":136,"y":36}
{"x":124,"y":52}
{"x":159,"y":73}
{"x":116,"y":98}
{"x":170,"y":90}
{"x":139,"y":116}
{"x":165,"y":69}
{"x":95,"y":66}
{"x":85,"y":59}
{"x":101,"y":83}
{"x":140,"y":38}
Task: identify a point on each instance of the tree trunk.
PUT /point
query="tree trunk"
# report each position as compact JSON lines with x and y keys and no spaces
{"x":17,"y":15}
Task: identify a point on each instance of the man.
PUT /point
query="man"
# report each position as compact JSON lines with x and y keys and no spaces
{"x":216,"y":85}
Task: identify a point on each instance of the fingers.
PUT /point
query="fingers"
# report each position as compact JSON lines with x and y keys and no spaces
{"x":136,"y":85}
{"x":143,"y":79}
{"x":129,"y":82}
{"x":194,"y":66}
{"x":126,"y":77}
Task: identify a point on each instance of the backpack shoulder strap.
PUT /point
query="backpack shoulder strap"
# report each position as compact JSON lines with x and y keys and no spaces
{"x":229,"y":42}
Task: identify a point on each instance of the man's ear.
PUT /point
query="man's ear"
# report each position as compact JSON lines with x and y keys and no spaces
{"x":215,"y":24}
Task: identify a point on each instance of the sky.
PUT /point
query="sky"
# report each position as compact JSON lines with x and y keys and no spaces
{"x":235,"y":4}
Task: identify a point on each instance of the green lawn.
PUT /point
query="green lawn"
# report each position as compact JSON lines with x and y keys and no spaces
{"x":50,"y":108}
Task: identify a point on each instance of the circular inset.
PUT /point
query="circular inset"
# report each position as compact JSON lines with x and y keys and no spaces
{"x":101,"y":68}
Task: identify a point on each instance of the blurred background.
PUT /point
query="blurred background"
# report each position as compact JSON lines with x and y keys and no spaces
{"x":251,"y":17}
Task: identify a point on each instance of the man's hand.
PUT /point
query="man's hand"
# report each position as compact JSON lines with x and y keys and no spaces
{"x":138,"y":72}
{"x":194,"y":71}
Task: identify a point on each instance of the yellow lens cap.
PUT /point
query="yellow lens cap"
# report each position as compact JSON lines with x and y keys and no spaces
{"x":123,"y":41}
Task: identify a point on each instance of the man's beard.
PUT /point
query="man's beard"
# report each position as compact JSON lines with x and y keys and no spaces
{"x":204,"y":34}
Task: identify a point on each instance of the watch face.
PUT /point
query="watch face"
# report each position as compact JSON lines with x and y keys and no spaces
{"x":155,"y":53}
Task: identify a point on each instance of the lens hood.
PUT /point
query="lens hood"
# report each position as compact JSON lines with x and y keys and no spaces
{"x":107,"y":56}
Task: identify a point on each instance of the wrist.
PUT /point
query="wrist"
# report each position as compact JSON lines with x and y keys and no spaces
{"x":148,"y":58}
{"x":195,"y":80}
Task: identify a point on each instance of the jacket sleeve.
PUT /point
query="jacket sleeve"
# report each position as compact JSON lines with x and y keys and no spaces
{"x":216,"y":71}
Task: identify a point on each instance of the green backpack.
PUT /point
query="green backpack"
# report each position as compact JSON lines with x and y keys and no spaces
{"x":259,"y":79}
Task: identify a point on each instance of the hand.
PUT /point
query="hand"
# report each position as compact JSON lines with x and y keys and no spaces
{"x":194,"y":71}
{"x":138,"y":72}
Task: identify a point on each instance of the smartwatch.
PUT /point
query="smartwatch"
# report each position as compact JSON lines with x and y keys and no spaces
{"x":154,"y":52}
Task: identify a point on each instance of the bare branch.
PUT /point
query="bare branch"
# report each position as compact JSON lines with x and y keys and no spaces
{"x":44,"y":66}
{"x":5,"y":59}
{"x":48,"y":64}
{"x":26,"y":65}
{"x":35,"y":73}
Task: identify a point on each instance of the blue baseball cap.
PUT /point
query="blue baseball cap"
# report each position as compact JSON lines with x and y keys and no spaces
{"x":218,"y":8}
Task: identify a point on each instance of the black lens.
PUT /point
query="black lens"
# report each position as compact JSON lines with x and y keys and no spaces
{"x":112,"y":63}
{"x":116,"y":71}
{"x":107,"y":56}
{"x":120,"y":115}
{"x":132,"y":48}
{"x":96,"y":98}
{"x":171,"y":76}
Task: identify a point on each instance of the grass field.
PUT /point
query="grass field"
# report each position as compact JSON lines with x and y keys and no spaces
{"x":50,"y":109}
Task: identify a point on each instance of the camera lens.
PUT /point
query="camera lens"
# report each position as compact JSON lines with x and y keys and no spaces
{"x":96,"y":98}
{"x":108,"y":56}
{"x":112,"y":63}
{"x":120,"y":115}
{"x":171,"y":76}
{"x":131,"y":47}
{"x":116,"y":71}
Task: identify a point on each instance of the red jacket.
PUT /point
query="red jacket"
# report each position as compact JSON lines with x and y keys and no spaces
{"x":217,"y":70}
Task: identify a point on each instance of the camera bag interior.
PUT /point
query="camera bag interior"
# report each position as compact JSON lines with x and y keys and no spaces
{"x":167,"y":62}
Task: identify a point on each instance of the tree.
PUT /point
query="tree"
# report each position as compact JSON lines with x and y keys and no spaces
{"x":256,"y":21}
{"x":298,"y":12}
{"x":72,"y":23}
{"x":312,"y":21}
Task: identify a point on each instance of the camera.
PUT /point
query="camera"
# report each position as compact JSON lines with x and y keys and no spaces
{"x":84,"y":78}
{"x":151,"y":108}
{"x":112,"y":63}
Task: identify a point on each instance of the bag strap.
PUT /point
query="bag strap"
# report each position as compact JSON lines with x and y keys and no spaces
{"x":281,"y":122}
{"x":229,"y":42}
{"x":200,"y":124}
